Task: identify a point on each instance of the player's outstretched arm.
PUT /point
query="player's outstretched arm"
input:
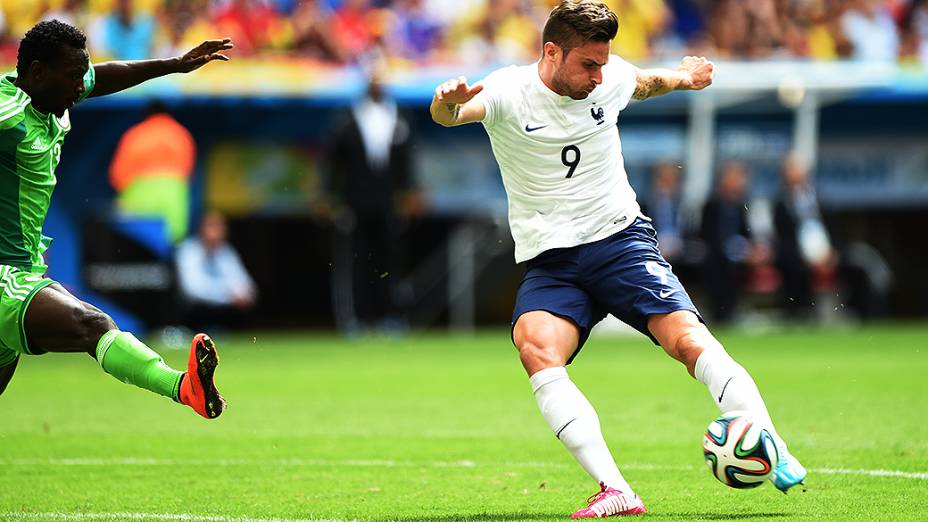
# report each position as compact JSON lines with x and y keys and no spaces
{"x":118,"y":76}
{"x":695,"y":73}
{"x":454,"y":104}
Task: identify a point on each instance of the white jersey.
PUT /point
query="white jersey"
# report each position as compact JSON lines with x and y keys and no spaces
{"x":560,"y":159}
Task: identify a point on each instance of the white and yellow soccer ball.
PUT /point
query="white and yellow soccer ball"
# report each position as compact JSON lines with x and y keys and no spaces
{"x":740,"y":453}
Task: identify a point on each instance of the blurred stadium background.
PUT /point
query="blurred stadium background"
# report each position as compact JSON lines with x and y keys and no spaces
{"x":836,"y":89}
{"x":840,"y":83}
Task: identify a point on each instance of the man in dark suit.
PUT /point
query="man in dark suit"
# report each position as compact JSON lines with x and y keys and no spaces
{"x":803,"y":245}
{"x":663,"y":206}
{"x":728,"y":240}
{"x":370,"y":181}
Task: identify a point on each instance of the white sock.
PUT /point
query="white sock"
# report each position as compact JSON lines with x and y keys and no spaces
{"x":575,"y":423}
{"x":731,"y":387}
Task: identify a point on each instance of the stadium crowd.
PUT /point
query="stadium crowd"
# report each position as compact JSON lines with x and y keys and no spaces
{"x":417,"y":32}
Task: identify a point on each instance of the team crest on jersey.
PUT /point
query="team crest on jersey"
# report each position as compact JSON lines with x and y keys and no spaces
{"x":598,"y":114}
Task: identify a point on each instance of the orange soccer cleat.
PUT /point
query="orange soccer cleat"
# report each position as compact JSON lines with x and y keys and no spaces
{"x":197,"y":389}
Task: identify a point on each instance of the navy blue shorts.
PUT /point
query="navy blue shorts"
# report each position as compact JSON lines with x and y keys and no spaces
{"x":624,"y":275}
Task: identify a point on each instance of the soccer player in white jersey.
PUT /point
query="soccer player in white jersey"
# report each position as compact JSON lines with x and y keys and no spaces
{"x":576,"y":224}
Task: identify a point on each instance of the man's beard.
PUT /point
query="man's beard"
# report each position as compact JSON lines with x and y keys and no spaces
{"x":563,"y":88}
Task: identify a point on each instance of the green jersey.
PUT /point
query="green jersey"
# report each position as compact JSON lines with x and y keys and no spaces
{"x":30,"y":148}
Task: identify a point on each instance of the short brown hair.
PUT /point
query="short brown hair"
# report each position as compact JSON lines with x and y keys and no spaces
{"x":575,"y":22}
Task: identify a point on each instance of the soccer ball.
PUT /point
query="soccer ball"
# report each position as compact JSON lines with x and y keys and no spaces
{"x":739,"y":452}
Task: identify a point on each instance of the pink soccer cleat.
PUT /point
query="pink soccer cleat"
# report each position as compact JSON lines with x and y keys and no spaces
{"x":611,"y":503}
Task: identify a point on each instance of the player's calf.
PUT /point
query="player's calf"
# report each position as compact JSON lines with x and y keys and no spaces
{"x":131,"y":361}
{"x":91,"y":324}
{"x":128,"y":359}
{"x":683,"y":337}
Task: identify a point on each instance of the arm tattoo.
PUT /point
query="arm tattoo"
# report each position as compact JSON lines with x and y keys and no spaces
{"x":649,"y":86}
{"x":454,"y":109}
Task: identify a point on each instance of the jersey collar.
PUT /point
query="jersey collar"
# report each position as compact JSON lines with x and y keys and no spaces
{"x":7,"y":82}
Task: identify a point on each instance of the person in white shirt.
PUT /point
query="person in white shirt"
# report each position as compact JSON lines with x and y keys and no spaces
{"x":576,"y":223}
{"x":215,"y":287}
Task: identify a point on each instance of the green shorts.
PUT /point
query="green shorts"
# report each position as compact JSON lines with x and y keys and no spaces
{"x":17,"y":288}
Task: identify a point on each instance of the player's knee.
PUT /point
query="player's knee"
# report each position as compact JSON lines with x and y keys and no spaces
{"x":691,"y":343}
{"x":91,"y":325}
{"x":537,"y":354}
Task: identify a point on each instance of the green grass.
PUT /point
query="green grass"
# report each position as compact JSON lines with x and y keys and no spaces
{"x":434,"y":428}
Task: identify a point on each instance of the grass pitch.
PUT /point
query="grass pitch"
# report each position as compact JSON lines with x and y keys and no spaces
{"x":433,"y":428}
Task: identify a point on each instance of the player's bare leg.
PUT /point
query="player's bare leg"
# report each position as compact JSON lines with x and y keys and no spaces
{"x":687,"y":340}
{"x":56,"y":321}
{"x":545,"y":343}
{"x":6,"y":374}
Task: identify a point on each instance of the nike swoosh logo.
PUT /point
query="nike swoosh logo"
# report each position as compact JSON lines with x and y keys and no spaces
{"x":723,"y":389}
{"x":529,"y":128}
{"x":564,"y":427}
{"x":666,"y":293}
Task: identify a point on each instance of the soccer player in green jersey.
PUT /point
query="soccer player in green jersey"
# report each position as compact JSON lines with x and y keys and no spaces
{"x":37,"y":315}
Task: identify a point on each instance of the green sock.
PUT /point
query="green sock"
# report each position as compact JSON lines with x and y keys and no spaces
{"x":129,"y":360}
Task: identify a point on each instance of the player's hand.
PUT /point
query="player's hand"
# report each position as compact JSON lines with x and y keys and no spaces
{"x":697,"y":72}
{"x":456,"y":91}
{"x":204,"y":53}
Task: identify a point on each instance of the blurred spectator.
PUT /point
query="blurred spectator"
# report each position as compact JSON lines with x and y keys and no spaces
{"x":287,"y":7}
{"x":353,"y":27}
{"x":71,"y":12}
{"x":919,"y":24}
{"x":415,"y":33}
{"x":448,"y":12}
{"x":500,"y":33}
{"x":151,"y":170}
{"x":311,"y":33}
{"x":871,"y":30}
{"x":184,"y":24}
{"x":748,"y":29}
{"x":803,"y":248}
{"x":20,"y":16}
{"x":688,"y":20}
{"x":124,"y":34}
{"x":371,"y":178}
{"x":725,"y":230}
{"x":5,"y":44}
{"x":821,"y":36}
{"x":914,"y":33}
{"x":482,"y":32}
{"x":252,"y":24}
{"x":663,"y":206}
{"x":641,"y":22}
{"x":215,"y":288}
{"x":793,"y":27}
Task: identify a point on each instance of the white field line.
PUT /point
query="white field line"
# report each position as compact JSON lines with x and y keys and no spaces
{"x":13,"y":515}
{"x":297,"y":462}
{"x":916,"y":475}
{"x":458,"y":464}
